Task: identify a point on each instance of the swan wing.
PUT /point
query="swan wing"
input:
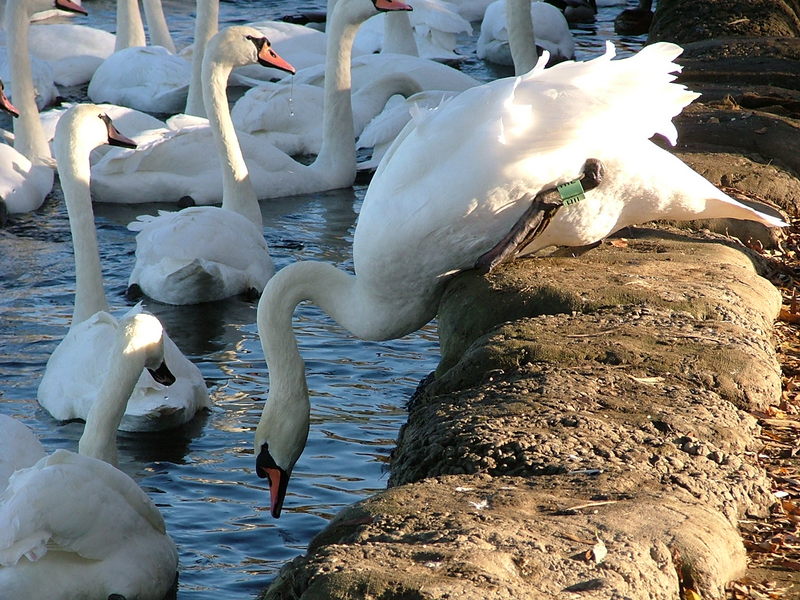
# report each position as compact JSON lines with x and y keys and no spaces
{"x":72,"y":503}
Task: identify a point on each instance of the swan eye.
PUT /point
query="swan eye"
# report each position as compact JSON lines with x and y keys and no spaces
{"x":258,"y":42}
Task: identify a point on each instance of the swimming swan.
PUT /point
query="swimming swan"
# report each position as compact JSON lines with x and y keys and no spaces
{"x":74,"y":526}
{"x":456,"y":181}
{"x":179,"y":164}
{"x":26,"y":169}
{"x":551,"y":32}
{"x":68,"y":393}
{"x":205,"y":253}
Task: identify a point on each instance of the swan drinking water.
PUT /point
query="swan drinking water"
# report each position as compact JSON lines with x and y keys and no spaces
{"x":74,"y":526}
{"x":456,"y":181}
{"x":68,"y":393}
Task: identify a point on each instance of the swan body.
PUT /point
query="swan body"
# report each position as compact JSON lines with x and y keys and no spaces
{"x":141,"y":176}
{"x":433,"y":24}
{"x":42,"y":74}
{"x":425,"y":217}
{"x":206,"y":253}
{"x":551,"y":32}
{"x":75,"y":526}
{"x":147,"y":78}
{"x":290,"y":116}
{"x":63,"y":392}
{"x":73,"y":51}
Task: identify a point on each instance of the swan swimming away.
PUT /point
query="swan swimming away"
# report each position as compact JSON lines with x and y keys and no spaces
{"x":206,"y":253}
{"x":74,"y":526}
{"x":68,"y":393}
{"x":456,"y":181}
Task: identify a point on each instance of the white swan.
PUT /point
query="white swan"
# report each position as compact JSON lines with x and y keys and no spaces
{"x":74,"y":526}
{"x":68,"y":393}
{"x":178,"y":164}
{"x":26,"y":170}
{"x":76,"y":51}
{"x":206,"y":253}
{"x":290,"y":115}
{"x":146,"y":78}
{"x":425,"y":216}
{"x":19,"y":448}
{"x":551,"y":31}
{"x":429,"y":31}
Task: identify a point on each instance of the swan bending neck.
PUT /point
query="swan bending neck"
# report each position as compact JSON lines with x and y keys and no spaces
{"x":521,"y":38}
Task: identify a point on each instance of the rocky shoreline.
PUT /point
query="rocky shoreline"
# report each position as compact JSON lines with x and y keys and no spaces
{"x":587,"y":433}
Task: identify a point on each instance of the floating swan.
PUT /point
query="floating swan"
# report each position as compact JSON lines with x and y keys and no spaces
{"x":26,"y":170}
{"x":290,"y":115}
{"x":178,"y":163}
{"x":76,"y":51}
{"x":74,"y":526}
{"x":70,"y":394}
{"x":426,"y":217}
{"x":429,"y":31}
{"x":206,"y":253}
{"x":146,"y":78}
{"x":17,"y":19}
{"x":552,"y":31}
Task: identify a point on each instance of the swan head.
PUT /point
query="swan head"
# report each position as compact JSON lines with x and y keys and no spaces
{"x":280,"y":439}
{"x":5,"y":103}
{"x":240,"y":45}
{"x":143,"y":334}
{"x":83,"y":128}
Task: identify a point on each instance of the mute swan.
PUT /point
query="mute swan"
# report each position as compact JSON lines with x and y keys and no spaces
{"x":290,"y":115}
{"x":206,"y":253}
{"x":63,"y":391}
{"x":430,"y":31}
{"x":74,"y":526}
{"x":552,"y":31}
{"x":425,"y":217}
{"x":20,"y":448}
{"x":178,"y":163}
{"x":26,"y":170}
{"x":76,"y":51}
{"x":147,"y":78}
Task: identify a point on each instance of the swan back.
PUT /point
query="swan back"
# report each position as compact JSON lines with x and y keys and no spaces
{"x":19,"y":448}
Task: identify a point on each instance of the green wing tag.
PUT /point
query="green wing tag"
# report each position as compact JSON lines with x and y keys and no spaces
{"x":570,"y":192}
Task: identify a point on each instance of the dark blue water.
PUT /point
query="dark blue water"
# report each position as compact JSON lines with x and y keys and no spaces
{"x":202,"y":476}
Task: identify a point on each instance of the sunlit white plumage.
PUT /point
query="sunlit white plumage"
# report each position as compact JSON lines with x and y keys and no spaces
{"x":68,"y":392}
{"x":75,"y":526}
{"x":454,"y":183}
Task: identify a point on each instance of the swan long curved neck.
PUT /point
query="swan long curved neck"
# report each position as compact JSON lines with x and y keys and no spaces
{"x":521,"y":38}
{"x":205,"y":26}
{"x":333,"y":291}
{"x":398,"y":35}
{"x":157,"y":25}
{"x":337,"y":153}
{"x":238,"y":194}
{"x":29,"y":137}
{"x":74,"y":173}
{"x":130,"y":29}
{"x":99,"y":438}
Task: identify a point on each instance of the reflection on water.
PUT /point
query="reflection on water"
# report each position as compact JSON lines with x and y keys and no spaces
{"x":201,"y":476}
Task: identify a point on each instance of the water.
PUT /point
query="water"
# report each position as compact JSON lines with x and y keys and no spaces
{"x":202,"y":477}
